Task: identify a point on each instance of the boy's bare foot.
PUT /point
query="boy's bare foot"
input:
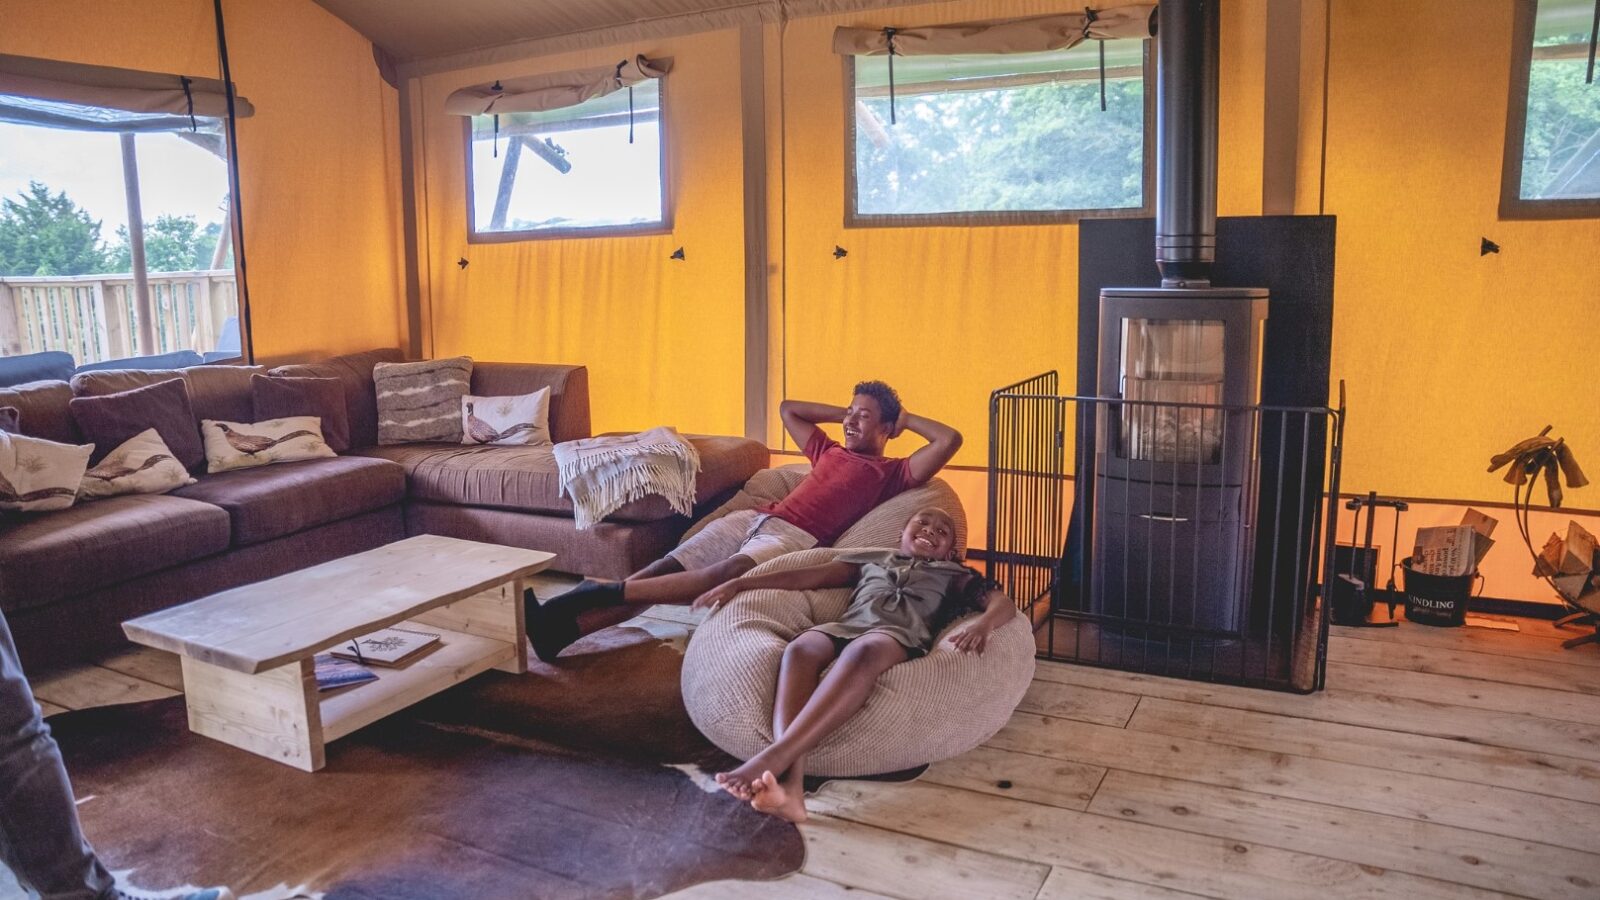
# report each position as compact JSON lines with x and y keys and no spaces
{"x":772,"y":798}
{"x":735,"y":784}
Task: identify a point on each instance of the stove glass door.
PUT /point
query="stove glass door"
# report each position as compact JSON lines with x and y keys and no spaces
{"x":1167,"y":361}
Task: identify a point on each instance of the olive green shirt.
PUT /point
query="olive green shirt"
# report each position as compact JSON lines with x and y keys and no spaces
{"x":909,"y":599}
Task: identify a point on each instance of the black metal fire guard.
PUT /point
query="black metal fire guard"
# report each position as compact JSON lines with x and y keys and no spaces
{"x":1172,"y":573}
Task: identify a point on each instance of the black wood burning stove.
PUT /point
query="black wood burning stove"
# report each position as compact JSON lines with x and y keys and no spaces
{"x":1172,"y":533}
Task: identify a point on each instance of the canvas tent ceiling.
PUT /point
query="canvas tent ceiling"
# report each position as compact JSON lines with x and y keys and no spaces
{"x":414,"y":31}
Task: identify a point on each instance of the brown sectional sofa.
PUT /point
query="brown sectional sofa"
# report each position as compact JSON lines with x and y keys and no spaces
{"x":69,"y":578}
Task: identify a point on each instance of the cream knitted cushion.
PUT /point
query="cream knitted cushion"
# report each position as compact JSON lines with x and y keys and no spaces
{"x":879,"y":528}
{"x":922,"y":711}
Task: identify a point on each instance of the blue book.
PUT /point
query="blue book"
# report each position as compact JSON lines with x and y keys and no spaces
{"x":333,"y":672}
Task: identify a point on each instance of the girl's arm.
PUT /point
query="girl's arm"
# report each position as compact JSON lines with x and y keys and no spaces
{"x":974,"y":636}
{"x":827,"y":575}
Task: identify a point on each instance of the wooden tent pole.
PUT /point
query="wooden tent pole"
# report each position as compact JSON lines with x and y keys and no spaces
{"x":141,"y":279}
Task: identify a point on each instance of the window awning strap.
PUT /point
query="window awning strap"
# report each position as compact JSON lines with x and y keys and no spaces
{"x":1594,"y":36}
{"x":1036,"y":34}
{"x":888,"y":41}
{"x":620,"y":82}
{"x":188,"y":96}
{"x":553,"y":90}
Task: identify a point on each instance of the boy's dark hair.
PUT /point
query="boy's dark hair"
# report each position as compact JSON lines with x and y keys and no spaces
{"x":888,"y":400}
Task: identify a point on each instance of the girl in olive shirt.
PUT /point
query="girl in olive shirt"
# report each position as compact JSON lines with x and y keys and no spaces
{"x":902,"y":600}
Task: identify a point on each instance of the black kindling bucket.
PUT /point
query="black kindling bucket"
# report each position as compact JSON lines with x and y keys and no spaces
{"x":1436,"y":599}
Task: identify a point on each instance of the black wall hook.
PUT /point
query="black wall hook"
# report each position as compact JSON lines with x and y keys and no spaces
{"x":840,"y":252}
{"x":677,"y":254}
{"x":1488,"y":247}
{"x":462,"y":262}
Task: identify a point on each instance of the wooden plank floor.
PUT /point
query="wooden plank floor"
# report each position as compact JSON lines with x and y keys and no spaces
{"x":1439,"y":763}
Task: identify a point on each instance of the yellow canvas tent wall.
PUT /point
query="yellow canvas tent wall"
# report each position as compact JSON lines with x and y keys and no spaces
{"x":320,"y":186}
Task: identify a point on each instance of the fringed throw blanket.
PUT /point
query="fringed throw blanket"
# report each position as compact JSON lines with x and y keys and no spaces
{"x":602,"y":474}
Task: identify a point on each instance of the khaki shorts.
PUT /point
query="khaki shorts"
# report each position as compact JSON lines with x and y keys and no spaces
{"x":758,"y":536}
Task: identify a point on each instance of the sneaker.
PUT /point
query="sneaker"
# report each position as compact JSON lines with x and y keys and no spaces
{"x":211,"y":893}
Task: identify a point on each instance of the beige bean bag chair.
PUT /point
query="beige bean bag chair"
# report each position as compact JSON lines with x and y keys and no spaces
{"x":925,"y":710}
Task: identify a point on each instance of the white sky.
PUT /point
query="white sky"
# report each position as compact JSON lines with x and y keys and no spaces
{"x":611,"y":180}
{"x":176,"y":177}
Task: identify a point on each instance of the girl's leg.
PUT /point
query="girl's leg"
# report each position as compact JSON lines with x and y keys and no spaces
{"x":840,"y":695}
{"x":787,"y":798}
{"x":803,"y":661}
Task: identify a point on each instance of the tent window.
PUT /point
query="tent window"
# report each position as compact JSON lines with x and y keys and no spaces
{"x":115,"y":238}
{"x":999,"y":138}
{"x":592,"y":169}
{"x":1552,"y":165}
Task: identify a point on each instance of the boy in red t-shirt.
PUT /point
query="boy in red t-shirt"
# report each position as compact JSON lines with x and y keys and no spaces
{"x":846,"y":481}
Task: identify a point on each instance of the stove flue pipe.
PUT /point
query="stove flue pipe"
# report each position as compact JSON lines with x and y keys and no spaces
{"x":1187,"y":40}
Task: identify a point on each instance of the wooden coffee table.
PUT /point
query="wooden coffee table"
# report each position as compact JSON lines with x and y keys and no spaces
{"x":247,"y":652}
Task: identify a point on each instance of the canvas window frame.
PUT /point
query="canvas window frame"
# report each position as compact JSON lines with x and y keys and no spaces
{"x":1513,"y":206}
{"x":665,"y":226}
{"x":853,"y":218}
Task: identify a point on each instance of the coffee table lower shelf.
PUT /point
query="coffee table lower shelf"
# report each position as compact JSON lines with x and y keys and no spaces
{"x":281,"y":715}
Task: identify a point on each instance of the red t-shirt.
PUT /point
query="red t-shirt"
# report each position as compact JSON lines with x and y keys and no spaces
{"x":842,"y":487}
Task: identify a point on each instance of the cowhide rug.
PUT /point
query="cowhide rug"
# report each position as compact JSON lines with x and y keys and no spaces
{"x":577,"y":780}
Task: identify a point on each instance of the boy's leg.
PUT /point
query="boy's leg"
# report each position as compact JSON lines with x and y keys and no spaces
{"x":839,"y":696}
{"x":40,"y":838}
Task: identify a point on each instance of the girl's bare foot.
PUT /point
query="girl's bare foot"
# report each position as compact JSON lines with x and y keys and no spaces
{"x":736,"y":784}
{"x":774,"y":799}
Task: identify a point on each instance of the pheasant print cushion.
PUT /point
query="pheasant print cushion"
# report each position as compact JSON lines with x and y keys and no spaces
{"x":239,"y":445}
{"x":507,"y":420}
{"x":142,"y":465}
{"x":38,"y":475}
{"x":421,"y":401}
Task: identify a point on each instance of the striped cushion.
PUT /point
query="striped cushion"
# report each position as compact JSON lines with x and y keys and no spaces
{"x":421,"y":401}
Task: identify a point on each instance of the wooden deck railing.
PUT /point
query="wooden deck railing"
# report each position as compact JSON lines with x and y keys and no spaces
{"x":95,"y":317}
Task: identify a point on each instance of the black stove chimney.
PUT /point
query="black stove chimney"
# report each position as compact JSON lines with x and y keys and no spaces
{"x":1187,"y":42}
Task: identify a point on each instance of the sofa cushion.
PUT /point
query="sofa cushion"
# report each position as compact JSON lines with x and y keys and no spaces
{"x":267,"y":502}
{"x":50,"y":365}
{"x":108,"y":421}
{"x":421,"y":401}
{"x":526,"y":478}
{"x":42,"y":410}
{"x":10,"y":420}
{"x":354,"y":371}
{"x":215,"y":392}
{"x":49,"y":557}
{"x":569,"y":392}
{"x":278,"y":397}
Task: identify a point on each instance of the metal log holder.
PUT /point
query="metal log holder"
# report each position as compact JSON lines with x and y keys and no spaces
{"x":1143,"y":592}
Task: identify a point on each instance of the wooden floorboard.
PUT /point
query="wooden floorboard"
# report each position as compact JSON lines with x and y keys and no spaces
{"x":79,"y":687}
{"x":1399,"y":751}
{"x":913,"y":868}
{"x":1421,"y":848}
{"x":1439,"y":763}
{"x":1076,"y":884}
{"x":1019,"y":776}
{"x":50,"y":709}
{"x":1148,"y":854}
{"x":1542,"y":646}
{"x":1555,"y":673}
{"x":147,"y":664}
{"x":1526,"y":731}
{"x":1553,"y":820}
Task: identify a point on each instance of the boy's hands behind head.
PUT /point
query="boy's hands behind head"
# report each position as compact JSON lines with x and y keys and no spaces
{"x":899,"y":426}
